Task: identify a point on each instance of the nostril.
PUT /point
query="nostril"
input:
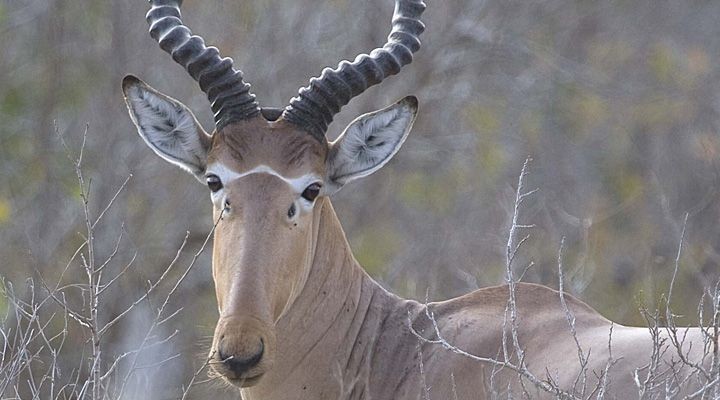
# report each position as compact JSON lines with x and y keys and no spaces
{"x":240,"y":365}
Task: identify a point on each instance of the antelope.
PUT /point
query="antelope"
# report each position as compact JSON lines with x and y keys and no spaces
{"x":299,"y":318}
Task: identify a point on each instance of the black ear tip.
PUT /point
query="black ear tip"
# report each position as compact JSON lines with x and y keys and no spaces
{"x":410,"y":101}
{"x":130,"y":80}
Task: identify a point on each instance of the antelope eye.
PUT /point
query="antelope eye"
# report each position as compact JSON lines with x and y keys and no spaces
{"x":214,"y":183}
{"x":311,"y":192}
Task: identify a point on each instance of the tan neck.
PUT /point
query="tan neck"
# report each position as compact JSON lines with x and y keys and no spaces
{"x":332,"y":323}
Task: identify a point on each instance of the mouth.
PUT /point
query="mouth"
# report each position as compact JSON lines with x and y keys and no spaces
{"x":244,"y":382}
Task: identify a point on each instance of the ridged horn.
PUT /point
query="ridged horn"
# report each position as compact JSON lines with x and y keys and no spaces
{"x":230,"y":97}
{"x":315,"y":106}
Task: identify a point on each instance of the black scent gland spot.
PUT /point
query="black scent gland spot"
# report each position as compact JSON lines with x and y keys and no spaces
{"x":291,"y":212}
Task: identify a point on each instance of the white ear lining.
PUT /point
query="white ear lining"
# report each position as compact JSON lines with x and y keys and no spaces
{"x":168,"y":127}
{"x":369,"y":142}
{"x":374,"y":141}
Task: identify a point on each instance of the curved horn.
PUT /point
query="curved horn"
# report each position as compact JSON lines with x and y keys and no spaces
{"x":314,"y":107}
{"x":229,"y":96}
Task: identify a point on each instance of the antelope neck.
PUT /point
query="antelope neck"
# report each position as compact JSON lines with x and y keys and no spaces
{"x":336,"y":322}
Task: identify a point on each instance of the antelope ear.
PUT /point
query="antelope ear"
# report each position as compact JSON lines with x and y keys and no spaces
{"x":167,"y":126}
{"x":368,"y":143}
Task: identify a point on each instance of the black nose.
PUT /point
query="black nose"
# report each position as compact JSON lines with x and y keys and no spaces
{"x":240,"y":365}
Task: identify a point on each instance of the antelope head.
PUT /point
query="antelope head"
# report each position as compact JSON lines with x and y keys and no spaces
{"x":268,"y":171}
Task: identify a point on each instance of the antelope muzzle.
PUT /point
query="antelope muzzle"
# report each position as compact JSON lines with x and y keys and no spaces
{"x":243,"y":350}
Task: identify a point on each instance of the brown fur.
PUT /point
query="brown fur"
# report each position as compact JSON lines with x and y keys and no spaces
{"x":279,"y":145}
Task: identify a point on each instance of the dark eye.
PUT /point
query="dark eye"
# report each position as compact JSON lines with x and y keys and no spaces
{"x":213,"y":182}
{"x":311,"y":192}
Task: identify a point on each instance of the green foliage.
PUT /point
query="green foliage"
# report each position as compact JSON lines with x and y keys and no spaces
{"x":486,"y":120}
{"x":580,"y":110}
{"x":5,"y":211}
{"x":662,"y":64}
{"x":14,"y":101}
{"x":375,"y":248}
{"x":658,"y":113}
{"x":610,"y":55}
{"x":433,"y":194}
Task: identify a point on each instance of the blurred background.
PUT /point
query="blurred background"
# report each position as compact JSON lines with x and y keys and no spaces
{"x":617,"y":102}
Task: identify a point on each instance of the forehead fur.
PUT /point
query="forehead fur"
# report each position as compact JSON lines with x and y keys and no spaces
{"x":278,"y":145}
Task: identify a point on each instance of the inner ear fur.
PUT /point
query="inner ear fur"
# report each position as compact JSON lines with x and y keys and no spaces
{"x":369,"y":142}
{"x":167,"y":126}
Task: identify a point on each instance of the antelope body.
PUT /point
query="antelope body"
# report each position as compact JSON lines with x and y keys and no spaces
{"x":299,"y":317}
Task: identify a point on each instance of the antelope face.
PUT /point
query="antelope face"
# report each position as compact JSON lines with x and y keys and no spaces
{"x":264,"y":182}
{"x":268,"y":171}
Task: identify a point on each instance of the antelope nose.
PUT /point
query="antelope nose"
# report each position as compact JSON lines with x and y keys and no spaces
{"x":239,"y":364}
